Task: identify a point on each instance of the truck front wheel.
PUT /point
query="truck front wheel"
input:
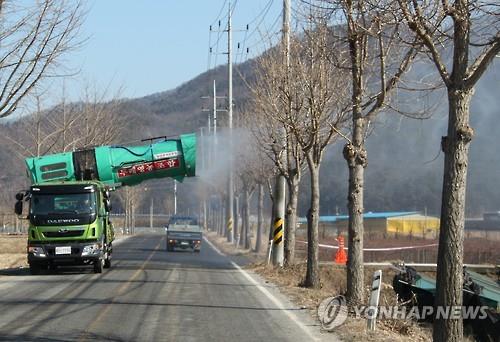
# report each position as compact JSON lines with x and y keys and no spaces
{"x":34,"y":269}
{"x":98,"y":265}
{"x":107,"y":261}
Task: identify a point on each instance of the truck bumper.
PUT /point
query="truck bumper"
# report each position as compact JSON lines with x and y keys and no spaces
{"x":64,"y":253}
{"x":184,"y":244}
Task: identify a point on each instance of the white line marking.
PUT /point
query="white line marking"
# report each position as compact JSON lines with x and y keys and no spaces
{"x":213,"y":246}
{"x":268,"y":294}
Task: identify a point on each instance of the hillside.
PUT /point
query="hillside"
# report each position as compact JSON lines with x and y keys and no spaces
{"x":405,"y":163}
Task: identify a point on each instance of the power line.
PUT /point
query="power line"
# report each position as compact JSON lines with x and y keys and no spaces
{"x":220,"y":12}
{"x":268,"y":35}
{"x":261,"y":14}
{"x":262,"y":19}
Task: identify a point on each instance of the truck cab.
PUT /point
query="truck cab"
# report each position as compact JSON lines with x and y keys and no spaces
{"x":68,"y":225}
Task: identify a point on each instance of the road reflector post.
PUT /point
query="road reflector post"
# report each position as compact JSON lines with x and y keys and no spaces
{"x":270,"y":251}
{"x":374,"y":300}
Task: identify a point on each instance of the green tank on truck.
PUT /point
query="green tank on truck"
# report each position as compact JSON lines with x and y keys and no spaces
{"x":68,"y":225}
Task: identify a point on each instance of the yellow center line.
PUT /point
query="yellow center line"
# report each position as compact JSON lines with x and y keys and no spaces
{"x":121,"y":290}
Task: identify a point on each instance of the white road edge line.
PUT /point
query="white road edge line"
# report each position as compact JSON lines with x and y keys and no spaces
{"x":268,"y":294}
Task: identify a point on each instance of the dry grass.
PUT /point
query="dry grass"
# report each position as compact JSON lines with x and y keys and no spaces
{"x":12,"y":251}
{"x":333,"y":282}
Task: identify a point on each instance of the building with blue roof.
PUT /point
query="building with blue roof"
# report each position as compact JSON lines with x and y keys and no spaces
{"x":394,"y":223}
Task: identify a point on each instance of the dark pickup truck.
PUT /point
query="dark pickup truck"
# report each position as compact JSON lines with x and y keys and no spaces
{"x":184,"y":232}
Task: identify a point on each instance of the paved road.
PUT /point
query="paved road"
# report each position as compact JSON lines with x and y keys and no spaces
{"x":149,"y":295}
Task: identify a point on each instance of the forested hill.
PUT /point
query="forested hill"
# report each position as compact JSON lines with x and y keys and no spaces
{"x":404,"y":161}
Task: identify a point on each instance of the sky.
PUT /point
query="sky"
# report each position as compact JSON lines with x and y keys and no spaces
{"x":149,"y":46}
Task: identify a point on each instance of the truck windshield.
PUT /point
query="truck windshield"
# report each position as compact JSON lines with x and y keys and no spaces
{"x":48,"y":204}
{"x":184,"y":221}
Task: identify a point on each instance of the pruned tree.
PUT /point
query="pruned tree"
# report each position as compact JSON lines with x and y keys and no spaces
{"x":35,"y":35}
{"x":317,"y":125}
{"x":377,"y":59}
{"x":470,"y":31}
{"x":274,"y":97}
{"x":252,"y":169}
{"x":317,"y":112}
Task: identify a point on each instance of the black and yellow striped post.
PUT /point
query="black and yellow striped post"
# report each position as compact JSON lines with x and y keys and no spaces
{"x":230,"y":224}
{"x":277,"y":241}
{"x":278,"y":231}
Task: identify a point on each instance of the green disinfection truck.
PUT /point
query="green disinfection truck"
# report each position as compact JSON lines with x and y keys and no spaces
{"x":69,"y":199}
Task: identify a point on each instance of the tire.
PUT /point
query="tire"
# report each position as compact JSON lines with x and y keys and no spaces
{"x":107,"y":261}
{"x":52,"y":268}
{"x":197,"y":250}
{"x":34,"y":269}
{"x":98,"y":265}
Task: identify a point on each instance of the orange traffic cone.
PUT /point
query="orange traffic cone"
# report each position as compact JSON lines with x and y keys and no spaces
{"x":340,"y":255}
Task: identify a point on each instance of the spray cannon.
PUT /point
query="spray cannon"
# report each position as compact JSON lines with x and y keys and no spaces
{"x":119,"y":165}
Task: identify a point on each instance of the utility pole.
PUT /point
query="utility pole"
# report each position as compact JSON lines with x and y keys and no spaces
{"x":212,"y":153}
{"x":151,"y":214}
{"x":175,"y":197}
{"x":204,"y":166}
{"x":212,"y":121}
{"x":279,"y":188}
{"x":230,"y":194}
{"x":215,"y":113}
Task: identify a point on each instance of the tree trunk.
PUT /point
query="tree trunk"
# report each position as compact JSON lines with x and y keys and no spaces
{"x":237,"y":235}
{"x":205,"y":214}
{"x":449,"y":280}
{"x":291,"y":221}
{"x":355,"y":155}
{"x":242,"y":237}
{"x":312,"y":275}
{"x":260,"y":218}
{"x":246,"y":219}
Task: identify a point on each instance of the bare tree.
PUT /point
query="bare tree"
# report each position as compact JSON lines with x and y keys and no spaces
{"x":273,"y":98}
{"x":34,"y":36}
{"x":252,"y":168}
{"x":98,"y":121}
{"x":471,"y":31}
{"x":66,"y":127}
{"x":131,"y":198}
{"x":36,"y":134}
{"x":317,"y":111}
{"x":377,"y":60}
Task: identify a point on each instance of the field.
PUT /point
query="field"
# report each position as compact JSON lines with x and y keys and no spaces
{"x":476,"y":250}
{"x":12,"y":251}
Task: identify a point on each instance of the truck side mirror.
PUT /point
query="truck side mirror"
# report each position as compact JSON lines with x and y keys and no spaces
{"x":107,"y":204}
{"x":18,"y":208}
{"x":20,"y":196}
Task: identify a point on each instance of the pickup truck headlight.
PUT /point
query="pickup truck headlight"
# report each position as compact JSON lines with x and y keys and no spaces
{"x":92,"y":249}
{"x":37,"y":251}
